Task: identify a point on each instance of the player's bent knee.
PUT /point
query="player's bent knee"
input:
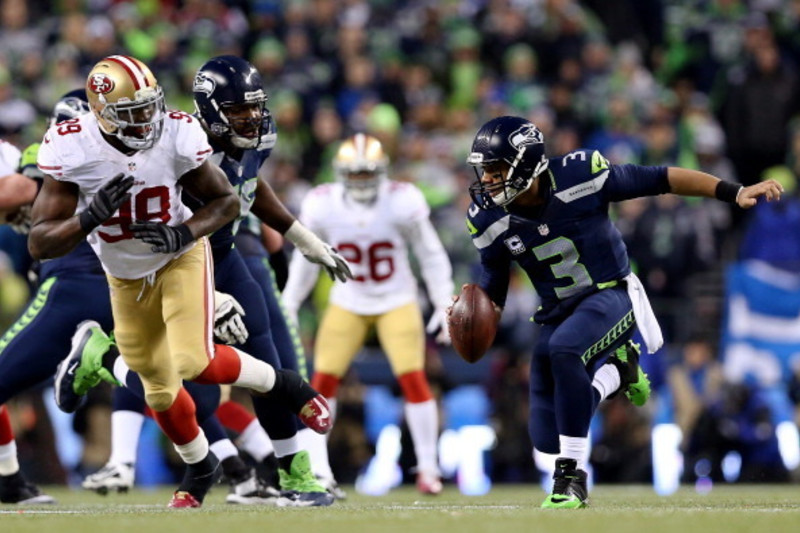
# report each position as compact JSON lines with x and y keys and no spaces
{"x":160,"y":400}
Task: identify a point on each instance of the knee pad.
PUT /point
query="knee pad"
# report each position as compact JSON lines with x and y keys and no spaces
{"x":159,"y":400}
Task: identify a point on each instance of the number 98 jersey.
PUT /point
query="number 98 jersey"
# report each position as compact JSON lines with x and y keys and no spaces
{"x":75,"y":151}
{"x":372,"y":239}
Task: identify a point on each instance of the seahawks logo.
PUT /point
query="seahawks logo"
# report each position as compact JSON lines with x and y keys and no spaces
{"x":100,"y":83}
{"x":204,"y":83}
{"x":526,"y":136}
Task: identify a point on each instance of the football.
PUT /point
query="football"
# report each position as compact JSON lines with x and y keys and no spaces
{"x":472,"y":322}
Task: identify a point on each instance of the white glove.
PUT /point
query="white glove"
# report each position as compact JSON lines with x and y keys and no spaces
{"x":228,"y":324}
{"x":438,"y":322}
{"x":318,"y":251}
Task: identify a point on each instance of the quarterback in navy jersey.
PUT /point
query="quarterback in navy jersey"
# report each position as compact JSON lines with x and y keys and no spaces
{"x":550,"y":216}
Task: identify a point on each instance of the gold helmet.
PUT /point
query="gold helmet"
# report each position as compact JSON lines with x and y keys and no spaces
{"x":361,"y":164}
{"x":127,"y":101}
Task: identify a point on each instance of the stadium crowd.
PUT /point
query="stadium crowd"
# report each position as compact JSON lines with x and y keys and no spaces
{"x":705,"y":84}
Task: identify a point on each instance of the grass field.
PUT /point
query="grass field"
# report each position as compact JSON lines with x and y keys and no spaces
{"x":506,"y":509}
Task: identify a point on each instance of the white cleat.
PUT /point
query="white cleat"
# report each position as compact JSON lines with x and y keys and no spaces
{"x":113,"y":476}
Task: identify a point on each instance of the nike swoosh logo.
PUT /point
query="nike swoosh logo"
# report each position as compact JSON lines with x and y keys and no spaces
{"x":73,"y":367}
{"x":324,"y":413}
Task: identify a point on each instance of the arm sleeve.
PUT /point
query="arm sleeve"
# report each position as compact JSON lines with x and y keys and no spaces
{"x":434,"y":263}
{"x":302,"y":278}
{"x":633,"y":181}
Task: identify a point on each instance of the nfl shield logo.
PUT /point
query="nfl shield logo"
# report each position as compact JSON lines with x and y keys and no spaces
{"x":131,"y":167}
{"x":543,"y":230}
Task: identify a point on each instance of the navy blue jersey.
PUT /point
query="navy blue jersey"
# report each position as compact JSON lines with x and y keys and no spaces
{"x":242,"y":173}
{"x":568,"y":246}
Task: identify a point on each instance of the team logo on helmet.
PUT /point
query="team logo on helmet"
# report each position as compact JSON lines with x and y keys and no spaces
{"x":525,"y":136}
{"x":100,"y":83}
{"x":204,"y":83}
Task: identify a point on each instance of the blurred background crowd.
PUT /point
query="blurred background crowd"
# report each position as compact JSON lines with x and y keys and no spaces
{"x":705,"y":84}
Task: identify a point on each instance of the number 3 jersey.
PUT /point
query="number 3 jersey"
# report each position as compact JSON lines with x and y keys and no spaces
{"x":76,"y":152}
{"x":374,"y":240}
{"x":568,"y":246}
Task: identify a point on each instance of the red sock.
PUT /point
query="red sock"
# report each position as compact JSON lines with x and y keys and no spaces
{"x":6,"y":433}
{"x":415,"y":386}
{"x":178,"y":422}
{"x":325,"y":384}
{"x":225,"y":367}
{"x":234,"y":416}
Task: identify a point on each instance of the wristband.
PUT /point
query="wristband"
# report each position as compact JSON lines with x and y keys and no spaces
{"x":727,"y":191}
{"x":185,"y":233}
{"x":88,"y":221}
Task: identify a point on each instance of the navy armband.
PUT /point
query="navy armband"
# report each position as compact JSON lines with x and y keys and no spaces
{"x":727,"y":191}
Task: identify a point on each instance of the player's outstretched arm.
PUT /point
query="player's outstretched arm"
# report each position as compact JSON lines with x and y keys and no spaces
{"x":209,"y":184}
{"x":687,"y":182}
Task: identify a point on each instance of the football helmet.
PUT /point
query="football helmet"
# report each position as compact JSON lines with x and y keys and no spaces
{"x":71,"y":105}
{"x":230,"y":100}
{"x":127,"y":101}
{"x":361,"y":165}
{"x":515,"y":141}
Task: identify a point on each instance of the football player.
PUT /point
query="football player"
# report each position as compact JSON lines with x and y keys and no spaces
{"x":373,"y":221}
{"x":230,"y":101}
{"x":550,"y":216}
{"x":115,"y":177}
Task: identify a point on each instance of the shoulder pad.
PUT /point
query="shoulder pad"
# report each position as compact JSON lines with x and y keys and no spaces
{"x":486,"y":225}
{"x":578,"y":174}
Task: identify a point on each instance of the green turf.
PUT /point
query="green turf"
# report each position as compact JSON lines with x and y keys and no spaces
{"x":634,"y":509}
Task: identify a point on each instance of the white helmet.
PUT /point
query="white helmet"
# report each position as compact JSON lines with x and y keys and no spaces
{"x":359,"y":155}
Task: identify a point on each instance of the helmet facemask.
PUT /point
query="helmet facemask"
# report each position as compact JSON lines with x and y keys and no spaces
{"x":245,"y":123}
{"x":361,"y":165}
{"x":136,"y":123}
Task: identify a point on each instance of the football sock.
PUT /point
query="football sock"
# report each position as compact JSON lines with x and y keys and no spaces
{"x":235,"y":367}
{"x":8,"y":459}
{"x":234,"y":416}
{"x":224,"y":450}
{"x":415,"y":386}
{"x":286,"y":447}
{"x":6,"y":433}
{"x":199,"y":476}
{"x":606,"y":381}
{"x":574,"y":448}
{"x":234,"y":468}
{"x":423,"y":424}
{"x":325,"y":384}
{"x":254,"y":441}
{"x":179,"y":422}
{"x":126,"y":427}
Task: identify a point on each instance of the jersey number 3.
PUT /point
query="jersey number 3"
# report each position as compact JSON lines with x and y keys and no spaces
{"x":568,"y":267}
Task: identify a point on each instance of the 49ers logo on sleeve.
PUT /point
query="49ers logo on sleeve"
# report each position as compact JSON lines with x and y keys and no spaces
{"x":100,"y":83}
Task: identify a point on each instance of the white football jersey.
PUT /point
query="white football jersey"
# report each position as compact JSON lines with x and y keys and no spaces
{"x":9,"y":158}
{"x":75,"y":151}
{"x":372,"y":239}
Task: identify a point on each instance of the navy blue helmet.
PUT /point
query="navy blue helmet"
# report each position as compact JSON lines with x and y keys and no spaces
{"x":515,"y":141}
{"x":71,"y":105}
{"x":230,"y":100}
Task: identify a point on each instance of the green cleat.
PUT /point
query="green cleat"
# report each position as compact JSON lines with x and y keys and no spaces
{"x":299,"y":486}
{"x":83,"y":368}
{"x":569,"y":487}
{"x":633,"y":381}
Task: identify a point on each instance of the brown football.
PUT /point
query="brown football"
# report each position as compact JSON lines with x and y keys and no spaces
{"x":472,"y":322}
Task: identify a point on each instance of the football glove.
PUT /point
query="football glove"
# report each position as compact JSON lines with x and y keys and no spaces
{"x":165,"y":239}
{"x":438,"y":324}
{"x":319,"y":252}
{"x":106,"y":202}
{"x":228,"y":323}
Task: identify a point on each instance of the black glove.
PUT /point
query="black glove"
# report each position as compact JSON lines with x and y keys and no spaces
{"x":165,"y":239}
{"x":106,"y":202}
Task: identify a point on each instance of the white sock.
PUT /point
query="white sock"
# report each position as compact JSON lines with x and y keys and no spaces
{"x":223,"y":449}
{"x":255,"y":441}
{"x":606,"y":380}
{"x":256,"y":375}
{"x":423,"y":423}
{"x":8,"y":459}
{"x":121,"y":371}
{"x":194,"y":451}
{"x":126,"y":427}
{"x":317,"y":446}
{"x":574,"y":448}
{"x":284,"y":447}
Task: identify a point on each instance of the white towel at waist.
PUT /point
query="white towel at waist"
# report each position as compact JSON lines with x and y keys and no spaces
{"x":645,"y":318}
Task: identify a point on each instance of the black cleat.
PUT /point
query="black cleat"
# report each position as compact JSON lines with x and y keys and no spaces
{"x":17,"y":490}
{"x":569,"y":486}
